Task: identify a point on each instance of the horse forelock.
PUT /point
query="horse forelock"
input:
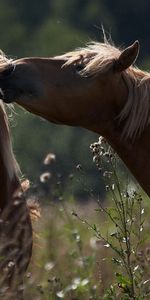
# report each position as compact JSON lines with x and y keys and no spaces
{"x":95,"y":57}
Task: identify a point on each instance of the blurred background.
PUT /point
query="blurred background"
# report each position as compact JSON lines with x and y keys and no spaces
{"x":68,"y":260}
{"x":51,"y":27}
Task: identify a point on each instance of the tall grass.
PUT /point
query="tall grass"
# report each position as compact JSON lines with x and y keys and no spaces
{"x":96,"y":250}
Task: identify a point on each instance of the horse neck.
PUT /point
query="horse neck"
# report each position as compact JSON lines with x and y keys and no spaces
{"x":9,"y":181}
{"x":135,"y":155}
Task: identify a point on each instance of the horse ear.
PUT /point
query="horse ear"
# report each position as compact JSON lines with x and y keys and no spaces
{"x":127,"y":57}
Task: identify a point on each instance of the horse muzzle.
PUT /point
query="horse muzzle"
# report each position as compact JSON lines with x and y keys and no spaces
{"x":6,"y":89}
{"x":6,"y":94}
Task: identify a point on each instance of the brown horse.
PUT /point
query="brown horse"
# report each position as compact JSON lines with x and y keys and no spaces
{"x":15,"y":224}
{"x":95,"y":87}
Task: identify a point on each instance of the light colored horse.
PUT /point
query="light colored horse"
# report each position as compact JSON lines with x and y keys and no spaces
{"x":15,"y":224}
{"x":95,"y":87}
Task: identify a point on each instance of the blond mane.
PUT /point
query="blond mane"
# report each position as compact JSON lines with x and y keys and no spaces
{"x":136,"y":111}
{"x":97,"y":58}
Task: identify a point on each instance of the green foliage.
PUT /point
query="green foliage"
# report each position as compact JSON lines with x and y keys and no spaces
{"x":11,"y":30}
{"x":47,"y":42}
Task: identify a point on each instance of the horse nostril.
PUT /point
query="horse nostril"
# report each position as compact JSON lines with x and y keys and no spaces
{"x":7,"y":71}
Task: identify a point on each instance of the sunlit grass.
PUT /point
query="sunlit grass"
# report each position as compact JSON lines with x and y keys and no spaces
{"x":96,"y":250}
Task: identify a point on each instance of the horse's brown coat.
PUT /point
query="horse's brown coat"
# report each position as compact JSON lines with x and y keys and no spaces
{"x":96,"y":88}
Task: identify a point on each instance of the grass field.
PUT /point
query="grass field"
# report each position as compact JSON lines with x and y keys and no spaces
{"x":95,"y":250}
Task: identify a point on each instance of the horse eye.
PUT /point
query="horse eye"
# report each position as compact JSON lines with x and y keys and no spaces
{"x":79,"y":67}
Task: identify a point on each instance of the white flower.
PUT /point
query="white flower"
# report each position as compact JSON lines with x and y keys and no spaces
{"x":49,"y":266}
{"x":60,"y":294}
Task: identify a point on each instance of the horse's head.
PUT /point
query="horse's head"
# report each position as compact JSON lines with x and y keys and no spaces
{"x":81,"y":88}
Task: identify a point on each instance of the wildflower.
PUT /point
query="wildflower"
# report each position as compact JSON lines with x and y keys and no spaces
{"x":79,"y":167}
{"x":107,"y":188}
{"x":49,"y":266}
{"x":84,"y":282}
{"x":11,"y":264}
{"x":131,"y":191}
{"x":75,"y":283}
{"x":146,"y":281}
{"x":25,"y":185}
{"x":113,"y":187}
{"x":142,"y":211}
{"x":45,"y":177}
{"x":60,"y":294}
{"x":50,"y":158}
{"x":101,"y":140}
{"x":28,"y":275}
{"x":96,"y":243}
{"x":107,"y":174}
